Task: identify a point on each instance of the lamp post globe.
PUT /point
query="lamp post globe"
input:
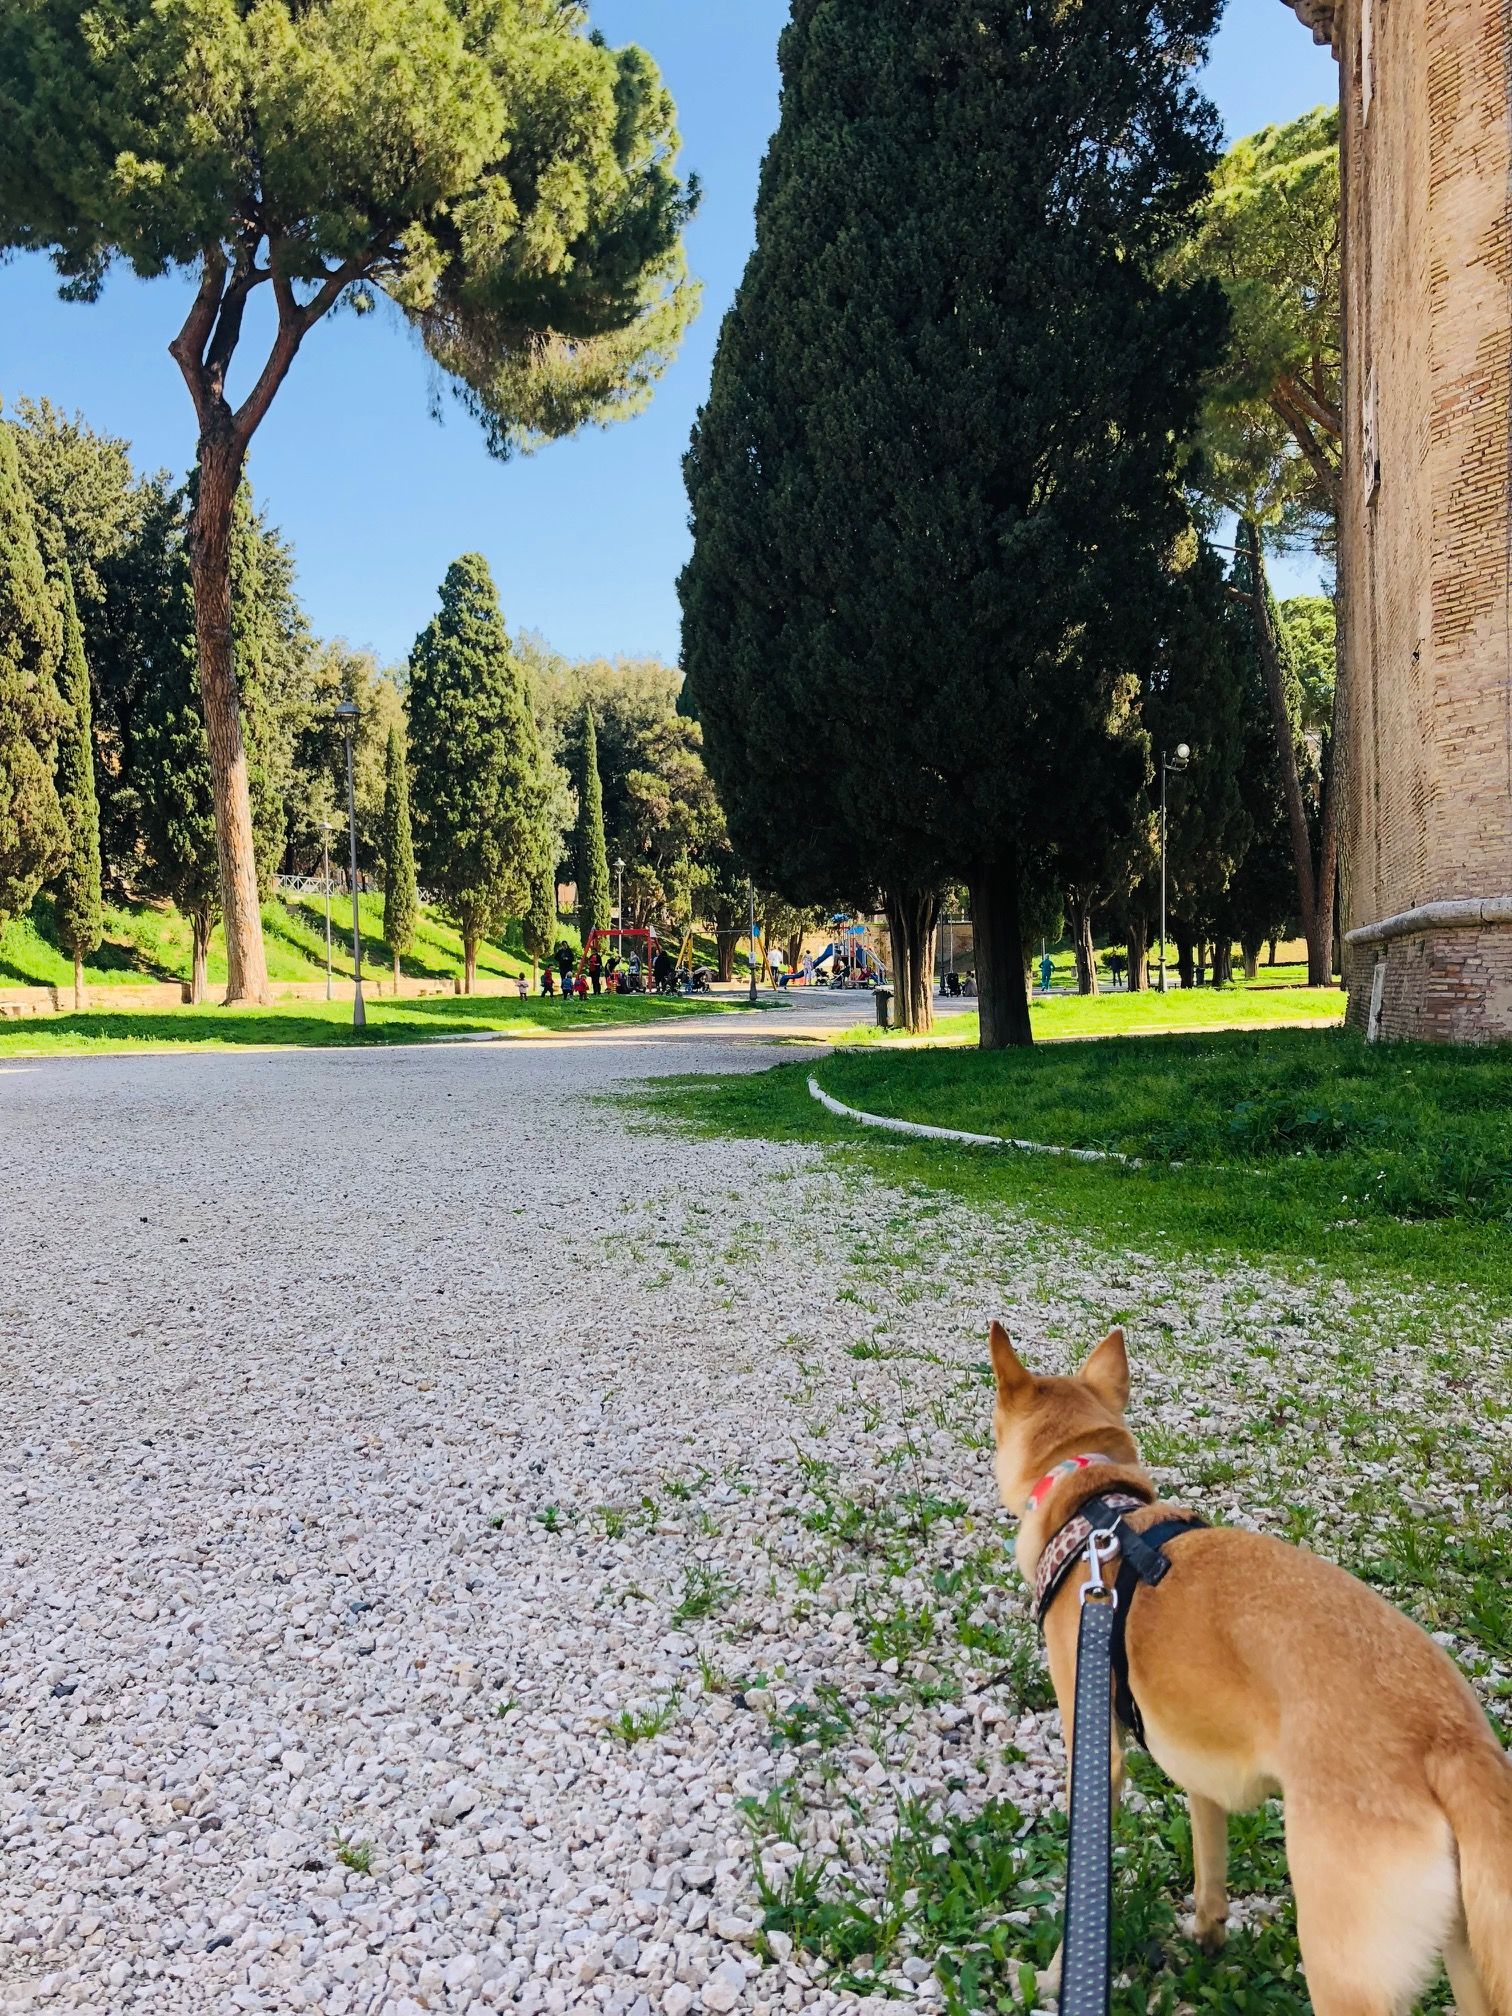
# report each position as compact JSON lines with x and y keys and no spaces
{"x":1183,"y":751}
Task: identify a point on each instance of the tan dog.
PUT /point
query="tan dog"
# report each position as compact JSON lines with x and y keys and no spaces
{"x":1259,"y":1669}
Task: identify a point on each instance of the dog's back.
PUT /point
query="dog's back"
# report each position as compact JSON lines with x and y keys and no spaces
{"x":1259,"y":1668}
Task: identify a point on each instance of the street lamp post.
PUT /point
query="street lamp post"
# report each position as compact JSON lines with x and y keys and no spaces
{"x":619,"y":908}
{"x":751,"y":893}
{"x":325,"y":860}
{"x":346,"y":714}
{"x":1178,"y":764}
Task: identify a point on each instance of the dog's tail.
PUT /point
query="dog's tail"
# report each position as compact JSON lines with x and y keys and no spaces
{"x":1472,"y":1782}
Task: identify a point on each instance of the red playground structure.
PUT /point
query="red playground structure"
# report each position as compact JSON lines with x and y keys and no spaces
{"x":609,"y":942}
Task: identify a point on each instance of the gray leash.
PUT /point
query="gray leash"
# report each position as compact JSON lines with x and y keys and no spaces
{"x":1087,"y":1960}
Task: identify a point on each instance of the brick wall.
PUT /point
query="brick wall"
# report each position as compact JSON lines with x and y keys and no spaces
{"x":1426,"y":698}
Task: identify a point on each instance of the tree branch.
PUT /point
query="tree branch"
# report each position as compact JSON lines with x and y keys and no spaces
{"x":1319,"y":410}
{"x":188,"y":348}
{"x":1322,"y":466}
{"x":294,"y":320}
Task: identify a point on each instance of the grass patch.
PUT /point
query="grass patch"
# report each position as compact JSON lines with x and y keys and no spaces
{"x":321,"y":1024}
{"x":1297,"y":1146}
{"x":1074,"y":1017}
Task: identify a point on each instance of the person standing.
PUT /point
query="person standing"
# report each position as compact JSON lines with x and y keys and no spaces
{"x":595,"y":970}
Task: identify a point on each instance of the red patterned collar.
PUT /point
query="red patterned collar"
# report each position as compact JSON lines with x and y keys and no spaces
{"x":1051,"y":1478}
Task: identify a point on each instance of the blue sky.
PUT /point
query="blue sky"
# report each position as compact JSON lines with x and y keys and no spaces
{"x":586,"y":538}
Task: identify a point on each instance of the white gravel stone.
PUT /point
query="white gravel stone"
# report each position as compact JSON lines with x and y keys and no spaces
{"x":373,"y":1416}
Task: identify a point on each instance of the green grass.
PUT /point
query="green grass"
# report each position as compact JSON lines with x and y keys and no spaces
{"x":1298,"y":1146}
{"x":1068,"y":1017}
{"x":321,"y":1024}
{"x":147,"y":942}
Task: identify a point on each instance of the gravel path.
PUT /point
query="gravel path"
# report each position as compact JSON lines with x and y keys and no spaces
{"x":439,"y":1508}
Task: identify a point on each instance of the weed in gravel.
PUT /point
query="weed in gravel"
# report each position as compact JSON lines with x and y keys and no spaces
{"x":703,"y":1593}
{"x":352,"y":1854}
{"x":637,"y":1725}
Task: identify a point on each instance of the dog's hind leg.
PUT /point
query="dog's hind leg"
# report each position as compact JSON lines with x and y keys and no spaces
{"x":1376,"y":1906}
{"x":1210,"y":1869}
{"x":1471,"y":1997}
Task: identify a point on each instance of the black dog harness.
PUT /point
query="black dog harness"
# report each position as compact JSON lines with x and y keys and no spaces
{"x":1140,"y":1559}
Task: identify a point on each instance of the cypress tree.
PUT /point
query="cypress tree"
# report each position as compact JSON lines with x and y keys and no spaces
{"x":78,"y":913}
{"x":33,"y":838}
{"x":171,"y":758}
{"x":590,"y":855}
{"x":538,"y":927}
{"x":935,"y":486}
{"x":401,"y":905}
{"x":476,"y":757}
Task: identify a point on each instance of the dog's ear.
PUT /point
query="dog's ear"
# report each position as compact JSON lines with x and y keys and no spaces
{"x":1013,"y":1381}
{"x":1107,"y":1371}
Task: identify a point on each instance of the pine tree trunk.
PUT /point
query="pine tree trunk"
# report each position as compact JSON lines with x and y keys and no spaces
{"x":396,"y":973}
{"x":724,"y":941}
{"x":209,"y":546}
{"x":1286,"y":752}
{"x":78,"y":980}
{"x":1251,"y":952}
{"x":1139,"y":954}
{"x":1202,"y":962}
{"x":1086,"y":951}
{"x":911,"y":920}
{"x":469,"y":964}
{"x":1223,"y":962}
{"x":199,"y":928}
{"x":1002,"y":983}
{"x":1272,"y":959}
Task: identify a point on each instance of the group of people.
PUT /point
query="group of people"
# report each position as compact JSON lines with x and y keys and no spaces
{"x":574,"y":978}
{"x":964,"y":984}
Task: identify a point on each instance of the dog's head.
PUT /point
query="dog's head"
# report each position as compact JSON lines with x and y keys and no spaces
{"x":1036,"y":1422}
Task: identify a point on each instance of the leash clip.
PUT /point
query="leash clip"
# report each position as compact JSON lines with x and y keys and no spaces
{"x":1102,"y":1545}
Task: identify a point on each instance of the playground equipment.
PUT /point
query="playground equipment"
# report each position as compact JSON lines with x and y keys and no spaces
{"x":853,"y":940}
{"x":608,"y":940}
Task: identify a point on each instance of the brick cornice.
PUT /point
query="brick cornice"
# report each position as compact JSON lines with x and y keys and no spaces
{"x":1322,"y":16}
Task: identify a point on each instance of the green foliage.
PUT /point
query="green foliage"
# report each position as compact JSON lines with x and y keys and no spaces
{"x":271,"y":643}
{"x":77,"y":893}
{"x":1269,"y":236}
{"x":935,"y":487}
{"x":476,"y":759}
{"x":504,"y":178}
{"x":401,"y":904}
{"x":590,"y":856}
{"x":540,"y":927}
{"x":1311,"y":627}
{"x":33,"y":838}
{"x":660,"y":813}
{"x":331,"y":673}
{"x":173,"y":801}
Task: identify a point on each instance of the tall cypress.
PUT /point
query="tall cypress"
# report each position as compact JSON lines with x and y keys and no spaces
{"x":401,"y":905}
{"x":170,"y":753}
{"x":33,"y":839}
{"x":476,"y":758}
{"x":590,"y":855}
{"x":78,"y":911}
{"x":935,"y":485}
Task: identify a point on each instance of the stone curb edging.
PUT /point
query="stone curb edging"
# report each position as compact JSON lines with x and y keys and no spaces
{"x":919,"y":1130}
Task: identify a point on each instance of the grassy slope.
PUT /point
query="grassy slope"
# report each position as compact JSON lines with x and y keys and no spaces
{"x":1300,"y":1147}
{"x":320,"y":1024}
{"x":149,"y":942}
